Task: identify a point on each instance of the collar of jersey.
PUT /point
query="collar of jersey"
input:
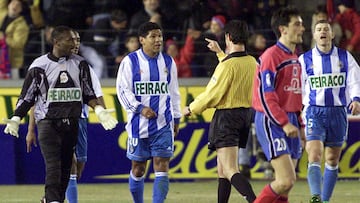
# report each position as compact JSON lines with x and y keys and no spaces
{"x":148,"y":57}
{"x":325,"y":54}
{"x":56,"y":59}
{"x":235,"y":54}
{"x":283,"y":47}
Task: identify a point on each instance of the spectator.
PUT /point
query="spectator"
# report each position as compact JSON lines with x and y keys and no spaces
{"x":61,"y":12}
{"x":204,"y":61}
{"x":105,"y":36}
{"x":256,"y":45}
{"x":15,"y":31}
{"x":349,"y":21}
{"x":102,"y":9}
{"x":37,"y":17}
{"x":165,"y":16}
{"x":3,"y":8}
{"x":131,"y":44}
{"x":319,"y":14}
{"x":171,"y":19}
{"x":239,"y":9}
{"x":200,"y":13}
{"x":149,"y":13}
{"x":5,"y":68}
{"x":262,"y":11}
{"x":183,"y":55}
{"x":130,"y":7}
{"x":36,"y":23}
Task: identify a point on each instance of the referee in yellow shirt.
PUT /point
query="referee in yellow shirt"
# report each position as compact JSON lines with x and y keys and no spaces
{"x":230,"y":92}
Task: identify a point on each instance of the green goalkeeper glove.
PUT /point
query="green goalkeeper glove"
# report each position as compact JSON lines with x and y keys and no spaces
{"x":12,"y":126}
{"x":106,"y":120}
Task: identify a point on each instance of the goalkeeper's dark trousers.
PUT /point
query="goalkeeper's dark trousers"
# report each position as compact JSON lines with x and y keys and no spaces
{"x":57,"y":139}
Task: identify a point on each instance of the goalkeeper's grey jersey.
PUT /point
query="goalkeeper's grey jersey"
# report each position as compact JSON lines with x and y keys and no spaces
{"x":57,"y":87}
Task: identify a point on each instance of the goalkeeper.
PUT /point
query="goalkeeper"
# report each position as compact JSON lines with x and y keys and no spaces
{"x":57,"y":84}
{"x":80,"y":156}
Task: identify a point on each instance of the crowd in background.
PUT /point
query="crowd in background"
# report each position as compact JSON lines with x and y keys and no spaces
{"x":108,"y":29}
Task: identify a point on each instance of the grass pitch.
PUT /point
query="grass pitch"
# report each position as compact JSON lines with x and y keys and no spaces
{"x":204,"y":191}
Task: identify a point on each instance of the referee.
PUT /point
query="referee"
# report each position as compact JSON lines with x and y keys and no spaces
{"x":230,"y":92}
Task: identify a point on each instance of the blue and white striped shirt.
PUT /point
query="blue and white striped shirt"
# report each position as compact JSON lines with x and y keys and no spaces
{"x":329,"y":79}
{"x":146,"y":81}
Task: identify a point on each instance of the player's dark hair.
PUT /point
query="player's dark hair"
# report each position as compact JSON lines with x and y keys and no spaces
{"x":58,"y":32}
{"x":282,"y":17}
{"x":238,"y":31}
{"x":145,"y":28}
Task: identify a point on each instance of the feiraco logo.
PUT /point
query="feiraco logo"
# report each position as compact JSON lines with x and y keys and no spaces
{"x":64,"y":94}
{"x":151,"y":88}
{"x":333,"y":80}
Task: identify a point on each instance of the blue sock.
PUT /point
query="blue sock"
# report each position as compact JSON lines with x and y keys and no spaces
{"x":71,"y":190}
{"x":330,"y":178}
{"x":314,"y":178}
{"x":136,"y":186}
{"x":161,"y":187}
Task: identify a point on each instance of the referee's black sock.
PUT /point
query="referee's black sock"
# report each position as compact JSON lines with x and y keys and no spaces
{"x":224,"y":189}
{"x":243,"y":186}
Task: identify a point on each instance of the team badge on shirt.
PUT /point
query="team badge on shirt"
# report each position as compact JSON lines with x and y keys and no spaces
{"x":63,"y":77}
{"x":341,"y":65}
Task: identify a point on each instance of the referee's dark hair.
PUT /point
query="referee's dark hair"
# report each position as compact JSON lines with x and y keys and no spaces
{"x":238,"y":31}
{"x":282,"y":17}
{"x":58,"y":32}
{"x":145,"y":28}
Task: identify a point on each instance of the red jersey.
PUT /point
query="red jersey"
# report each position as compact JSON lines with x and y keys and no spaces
{"x":277,"y":86}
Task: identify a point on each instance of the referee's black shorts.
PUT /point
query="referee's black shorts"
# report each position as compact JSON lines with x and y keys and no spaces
{"x":230,"y":127}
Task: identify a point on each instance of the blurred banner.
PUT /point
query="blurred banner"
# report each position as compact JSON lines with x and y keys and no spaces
{"x":107,"y":160}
